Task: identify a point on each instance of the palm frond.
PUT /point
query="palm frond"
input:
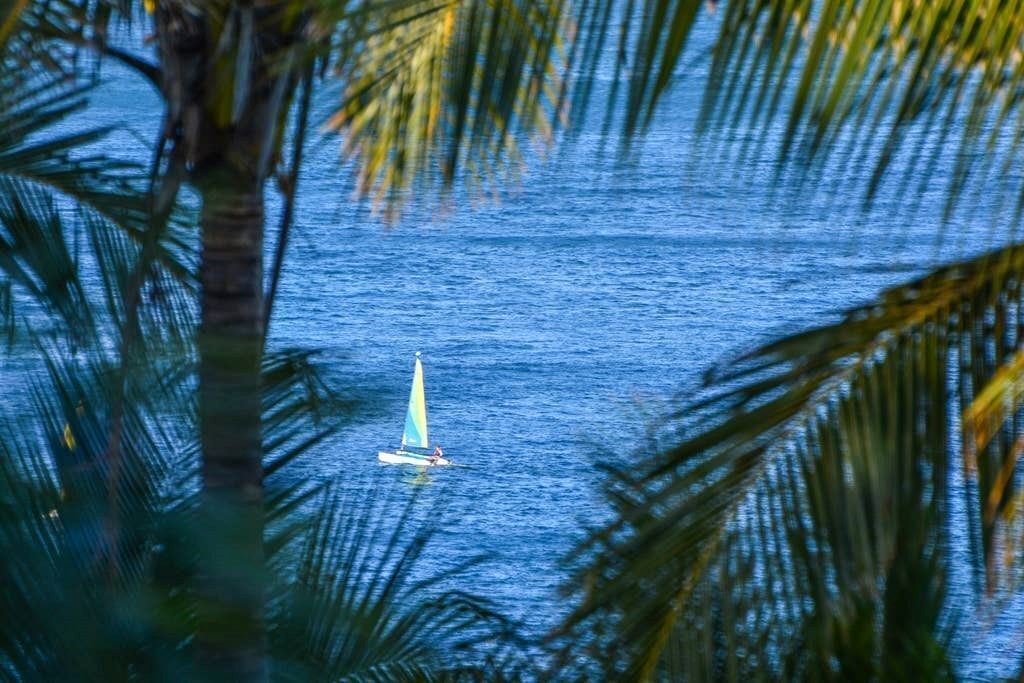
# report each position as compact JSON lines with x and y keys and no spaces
{"x":8,"y":322}
{"x":300,"y":408}
{"x":35,"y":256}
{"x":300,"y":411}
{"x":89,"y":528}
{"x":809,"y":494}
{"x":444,"y":90}
{"x":12,"y":12}
{"x":362,"y":609}
{"x":932,"y":85}
{"x":66,"y":163}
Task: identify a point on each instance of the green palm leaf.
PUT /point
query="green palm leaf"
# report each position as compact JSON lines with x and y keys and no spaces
{"x":362,"y":609}
{"x":35,"y":256}
{"x":799,"y":527}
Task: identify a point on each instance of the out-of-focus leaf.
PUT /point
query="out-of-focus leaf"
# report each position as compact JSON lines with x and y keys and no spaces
{"x":444,"y":90}
{"x":34,"y":255}
{"x":932,"y":85}
{"x":362,"y":608}
{"x":809,"y":493}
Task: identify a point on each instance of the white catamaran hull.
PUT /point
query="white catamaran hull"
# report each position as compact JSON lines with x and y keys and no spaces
{"x":407,"y":458}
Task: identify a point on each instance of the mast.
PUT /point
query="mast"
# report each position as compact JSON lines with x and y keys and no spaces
{"x":415,"y":433}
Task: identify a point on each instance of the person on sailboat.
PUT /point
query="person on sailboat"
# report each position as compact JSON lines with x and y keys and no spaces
{"x":438,"y":453}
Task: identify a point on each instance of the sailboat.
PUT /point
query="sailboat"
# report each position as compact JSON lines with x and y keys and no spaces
{"x":415,"y":434}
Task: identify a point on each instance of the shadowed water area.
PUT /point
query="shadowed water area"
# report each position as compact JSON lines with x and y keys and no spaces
{"x":559,"y":322}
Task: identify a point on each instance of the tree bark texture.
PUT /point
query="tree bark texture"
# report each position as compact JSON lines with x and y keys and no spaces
{"x":231,"y":637}
{"x":228,"y":120}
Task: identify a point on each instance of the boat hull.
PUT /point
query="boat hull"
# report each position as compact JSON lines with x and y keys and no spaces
{"x":407,"y":458}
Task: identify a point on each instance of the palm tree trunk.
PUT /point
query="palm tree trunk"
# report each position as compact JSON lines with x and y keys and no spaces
{"x":231,"y":155}
{"x":231,"y":637}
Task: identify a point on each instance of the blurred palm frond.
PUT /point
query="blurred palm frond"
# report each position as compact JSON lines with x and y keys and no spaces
{"x":800,"y":525}
{"x":444,"y":91}
{"x":363,"y":606}
{"x":924,"y":93}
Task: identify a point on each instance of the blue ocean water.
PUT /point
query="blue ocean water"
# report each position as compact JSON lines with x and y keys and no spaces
{"x":560,"y":321}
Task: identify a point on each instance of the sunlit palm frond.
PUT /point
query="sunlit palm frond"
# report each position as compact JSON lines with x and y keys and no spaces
{"x":995,"y":414}
{"x":651,"y":39}
{"x":800,"y":525}
{"x":927,"y":93}
{"x":934,"y":85}
{"x":439,"y":90}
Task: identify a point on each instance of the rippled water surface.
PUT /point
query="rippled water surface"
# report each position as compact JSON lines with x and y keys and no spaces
{"x":556,"y":323}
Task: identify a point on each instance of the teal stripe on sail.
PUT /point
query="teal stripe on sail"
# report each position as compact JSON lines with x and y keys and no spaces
{"x":416,"y":418}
